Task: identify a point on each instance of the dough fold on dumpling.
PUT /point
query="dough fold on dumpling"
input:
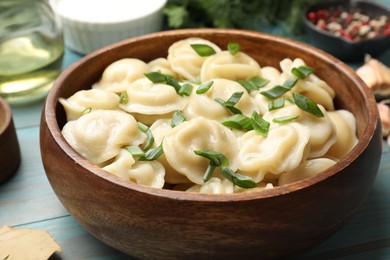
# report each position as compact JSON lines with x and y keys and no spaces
{"x":281,"y":150}
{"x":198,"y":134}
{"x":227,"y":66}
{"x":88,"y":99}
{"x":99,"y":135}
{"x":119,"y":74}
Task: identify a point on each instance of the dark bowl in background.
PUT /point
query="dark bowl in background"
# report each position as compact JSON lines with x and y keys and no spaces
{"x":341,"y":47}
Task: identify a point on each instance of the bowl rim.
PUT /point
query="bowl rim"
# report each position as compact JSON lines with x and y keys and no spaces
{"x":49,"y":117}
{"x":349,"y":3}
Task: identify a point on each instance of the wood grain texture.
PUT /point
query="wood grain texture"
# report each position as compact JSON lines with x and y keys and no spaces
{"x":151,"y":223}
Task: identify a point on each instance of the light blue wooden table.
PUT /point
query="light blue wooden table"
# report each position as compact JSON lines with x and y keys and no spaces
{"x":28,"y":201}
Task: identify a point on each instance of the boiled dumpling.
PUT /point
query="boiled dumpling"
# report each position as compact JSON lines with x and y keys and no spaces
{"x":214,"y":186}
{"x":88,"y":99}
{"x":198,"y":134}
{"x":148,"y":98}
{"x":205,"y":105}
{"x":281,"y":150}
{"x":307,"y":169}
{"x":322,"y":129}
{"x":345,"y":124}
{"x":162,"y":65}
{"x":119,"y":74}
{"x":99,"y":135}
{"x":227,"y":66}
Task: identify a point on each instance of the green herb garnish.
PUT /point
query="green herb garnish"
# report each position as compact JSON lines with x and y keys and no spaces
{"x":254,"y":83}
{"x":203,"y":50}
{"x":123,"y":97}
{"x":238,"y":179}
{"x":260,"y":125}
{"x":307,"y":105}
{"x":185,"y":89}
{"x":149,"y":136}
{"x":278,"y":91}
{"x":276,"y":104}
{"x":239,"y":121}
{"x":158,"y":77}
{"x":86,"y":111}
{"x":284,"y":119}
{"x":231,"y":102}
{"x":233,"y":48}
{"x":178,"y":118}
{"x":152,"y":154}
{"x":302,"y":72}
{"x":135,"y":151}
{"x":204,"y":87}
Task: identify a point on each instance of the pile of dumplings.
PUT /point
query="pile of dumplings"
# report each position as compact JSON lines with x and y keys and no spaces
{"x":100,"y":125}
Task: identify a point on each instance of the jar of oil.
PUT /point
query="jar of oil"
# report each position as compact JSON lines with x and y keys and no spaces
{"x":31,"y":49}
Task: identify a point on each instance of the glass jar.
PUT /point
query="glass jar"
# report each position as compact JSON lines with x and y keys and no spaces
{"x":31,"y":49}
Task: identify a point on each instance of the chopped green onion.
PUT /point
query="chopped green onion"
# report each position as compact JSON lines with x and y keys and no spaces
{"x":135,"y":150}
{"x":275,"y":104}
{"x":86,"y":111}
{"x":290,"y":82}
{"x":275,"y":92}
{"x":260,"y":125}
{"x":149,"y":136}
{"x":233,"y":48}
{"x":204,"y":87}
{"x":178,"y":118}
{"x":307,"y":105}
{"x":284,"y":119}
{"x":239,"y":121}
{"x":152,"y":154}
{"x":172,"y":82}
{"x":209,"y":172}
{"x":203,"y":50}
{"x":123,"y":97}
{"x":231,"y":102}
{"x":238,"y":179}
{"x":254,"y":83}
{"x":302,"y":72}
{"x":185,"y":89}
{"x":156,"y":76}
{"x":216,"y":159}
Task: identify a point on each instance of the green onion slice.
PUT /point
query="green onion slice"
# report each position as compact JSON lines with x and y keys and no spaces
{"x":307,"y":105}
{"x":203,"y":50}
{"x":276,"y":104}
{"x":302,"y":72}
{"x":233,"y":48}
{"x":204,"y":87}
{"x":254,"y":83}
{"x":231,"y":102}
{"x":239,"y":121}
{"x":123,"y":97}
{"x":149,"y":136}
{"x":156,"y":77}
{"x":290,"y":82}
{"x":135,"y":150}
{"x":216,"y":159}
{"x":86,"y":111}
{"x":275,"y":92}
{"x":238,"y":179}
{"x":284,"y":119}
{"x":260,"y":125}
{"x":209,"y":172}
{"x":178,"y":118}
{"x":152,"y":154}
{"x":185,"y":89}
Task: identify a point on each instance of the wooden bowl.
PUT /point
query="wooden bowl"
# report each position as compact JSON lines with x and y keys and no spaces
{"x":9,"y":145}
{"x":157,"y":224}
{"x":339,"y":46}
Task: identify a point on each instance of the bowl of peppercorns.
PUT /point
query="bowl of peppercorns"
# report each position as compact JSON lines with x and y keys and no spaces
{"x":349,"y":29}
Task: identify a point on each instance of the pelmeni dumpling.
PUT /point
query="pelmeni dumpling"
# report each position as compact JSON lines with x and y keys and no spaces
{"x":227,"y":66}
{"x":205,"y":105}
{"x":281,"y":150}
{"x":119,"y":74}
{"x":198,"y":134}
{"x":214,"y":186}
{"x":345,"y":124}
{"x":121,"y":164}
{"x":160,"y":129}
{"x":93,"y":98}
{"x":307,"y":169}
{"x":184,"y":60}
{"x":162,"y":65}
{"x":99,"y":135}
{"x":312,"y":86}
{"x":322,"y":130}
{"x":148,"y":98}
